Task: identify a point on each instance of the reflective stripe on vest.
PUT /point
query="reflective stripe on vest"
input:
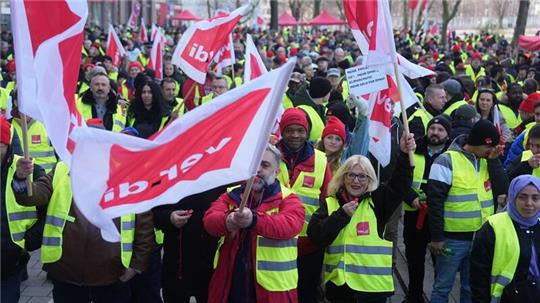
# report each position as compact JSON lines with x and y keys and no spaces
{"x":506,"y":254}
{"x":38,"y":143}
{"x":358,"y":256}
{"x":450,"y":110}
{"x":275,"y":259}
{"x":418,"y":177}
{"x":317,"y":124}
{"x":470,"y":200}
{"x":58,"y":215}
{"x":308,"y":195}
{"x":20,"y":218}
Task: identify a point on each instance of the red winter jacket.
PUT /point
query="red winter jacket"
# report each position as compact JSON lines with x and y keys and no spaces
{"x":280,"y":226}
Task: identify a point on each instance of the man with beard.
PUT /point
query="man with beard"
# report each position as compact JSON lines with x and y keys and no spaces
{"x":101,"y":102}
{"x":415,"y":231}
{"x":256,"y":258}
{"x":463,"y":183}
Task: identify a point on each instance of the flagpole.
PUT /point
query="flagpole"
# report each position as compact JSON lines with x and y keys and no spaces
{"x":26,"y":152}
{"x":403,"y":109}
{"x":247,"y":191}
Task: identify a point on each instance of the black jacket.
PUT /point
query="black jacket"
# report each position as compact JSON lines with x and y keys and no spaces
{"x":517,"y":168}
{"x":323,"y":229}
{"x":416,"y":126}
{"x":460,"y":127}
{"x":482,"y":260}
{"x":112,"y":107}
{"x":13,"y":257}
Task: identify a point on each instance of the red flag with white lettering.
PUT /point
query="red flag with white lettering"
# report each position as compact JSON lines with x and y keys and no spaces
{"x":134,"y":16}
{"x":371,"y":25}
{"x":218,"y":143}
{"x":225,"y":56}
{"x":115,"y":49}
{"x":156,"y":56}
{"x":253,"y":66}
{"x":47,"y":37}
{"x":201,"y":42}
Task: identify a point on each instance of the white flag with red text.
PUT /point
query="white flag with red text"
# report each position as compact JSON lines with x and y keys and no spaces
{"x":218,"y":143}
{"x":134,"y":16}
{"x":115,"y":49}
{"x":47,"y":37}
{"x":371,"y":26}
{"x":201,"y":42}
{"x":143,"y":34}
{"x":225,"y":56}
{"x":253,"y":63}
{"x":156,"y":56}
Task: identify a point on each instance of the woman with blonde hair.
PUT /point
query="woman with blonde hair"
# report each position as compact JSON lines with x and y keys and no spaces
{"x":357,"y":260}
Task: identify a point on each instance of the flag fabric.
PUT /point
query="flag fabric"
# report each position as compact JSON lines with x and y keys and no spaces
{"x":253,"y":63}
{"x":48,"y":54}
{"x":225,"y":56}
{"x":434,"y":29}
{"x":218,"y":143}
{"x":143,"y":34}
{"x":154,"y":31}
{"x":411,"y":70}
{"x":371,"y":26}
{"x":201,"y":42}
{"x":134,"y":16}
{"x":115,"y":49}
{"x":156,"y":56}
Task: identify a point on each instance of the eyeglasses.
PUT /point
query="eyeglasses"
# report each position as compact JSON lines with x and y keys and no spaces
{"x":350,"y":176}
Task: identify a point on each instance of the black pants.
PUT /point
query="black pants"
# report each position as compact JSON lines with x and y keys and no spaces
{"x":146,"y":287}
{"x":69,"y":293}
{"x":416,"y":242}
{"x":309,"y":276}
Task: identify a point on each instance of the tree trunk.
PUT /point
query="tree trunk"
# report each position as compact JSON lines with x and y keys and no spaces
{"x":209,"y":8}
{"x":521,"y":21}
{"x":274,"y":15}
{"x":447,"y":16}
{"x":405,"y":14}
{"x":316,"y":8}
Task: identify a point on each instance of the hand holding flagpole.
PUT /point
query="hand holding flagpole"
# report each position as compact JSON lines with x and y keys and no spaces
{"x":26,"y":152}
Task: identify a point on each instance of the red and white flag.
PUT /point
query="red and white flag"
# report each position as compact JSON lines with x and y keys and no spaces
{"x":225,"y":56}
{"x":218,"y":143}
{"x":156,"y":56}
{"x":201,"y":42}
{"x":115,"y":49}
{"x":143,"y":34}
{"x":371,"y":25}
{"x":48,"y":54}
{"x":154,"y":31}
{"x":134,"y":16}
{"x":254,"y":65}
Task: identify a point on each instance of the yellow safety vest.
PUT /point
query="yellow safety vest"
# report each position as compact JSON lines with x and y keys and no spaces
{"x":317,"y":124}
{"x":470,"y":199}
{"x":506,"y":254}
{"x":180,"y":108}
{"x":4,"y":98}
{"x":310,"y":191}
{"x":119,"y":118}
{"x":512,"y":120}
{"x":424,"y":115}
{"x":525,"y":156}
{"x":275,"y":259}
{"x":470,"y":72}
{"x":38,"y":143}
{"x":358,"y":256}
{"x":164,"y":121}
{"x":287,"y":102}
{"x":84,"y":87}
{"x":418,"y":177}
{"x":58,"y":214}
{"x":20,"y":218}
{"x":450,"y":110}
{"x":526,"y":134}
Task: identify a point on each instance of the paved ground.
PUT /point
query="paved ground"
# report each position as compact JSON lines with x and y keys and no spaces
{"x":38,"y":290}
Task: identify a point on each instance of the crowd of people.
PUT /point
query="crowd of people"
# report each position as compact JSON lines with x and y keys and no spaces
{"x":321,"y":219}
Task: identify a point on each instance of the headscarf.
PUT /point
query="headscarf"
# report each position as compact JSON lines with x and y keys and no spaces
{"x":516,"y":186}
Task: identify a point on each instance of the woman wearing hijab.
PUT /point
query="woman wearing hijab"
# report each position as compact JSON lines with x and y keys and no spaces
{"x":505,"y":257}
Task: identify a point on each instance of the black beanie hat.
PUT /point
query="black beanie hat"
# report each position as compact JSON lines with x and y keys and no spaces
{"x":319,"y":87}
{"x":442,"y":120}
{"x":483,"y":133}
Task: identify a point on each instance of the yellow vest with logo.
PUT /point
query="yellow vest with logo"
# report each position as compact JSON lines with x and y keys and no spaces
{"x":20,"y":218}
{"x":119,"y":118}
{"x":450,"y":110}
{"x":358,"y":256}
{"x":308,"y":195}
{"x":317,"y":124}
{"x":38,"y":143}
{"x":468,"y":203}
{"x":58,"y":214}
{"x":275,"y":259}
{"x":424,"y":115}
{"x":418,"y":177}
{"x":506,"y":254}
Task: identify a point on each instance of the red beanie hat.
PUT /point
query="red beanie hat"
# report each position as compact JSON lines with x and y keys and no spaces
{"x":477,"y":56}
{"x":136,"y":64}
{"x":5,"y":131}
{"x":334,"y":126}
{"x":11,"y":66}
{"x":293,"y":116}
{"x":294,"y":51}
{"x":456,"y":48}
{"x":527,"y":105}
